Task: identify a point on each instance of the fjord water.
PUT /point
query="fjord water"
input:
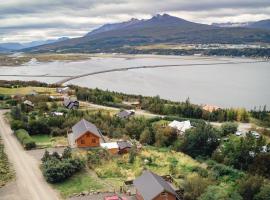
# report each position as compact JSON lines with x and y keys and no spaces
{"x":241,"y":82}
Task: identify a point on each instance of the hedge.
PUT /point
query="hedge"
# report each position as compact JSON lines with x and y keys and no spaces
{"x":25,"y":139}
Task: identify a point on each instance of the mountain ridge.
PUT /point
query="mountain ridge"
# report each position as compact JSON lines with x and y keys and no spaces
{"x":158,"y":29}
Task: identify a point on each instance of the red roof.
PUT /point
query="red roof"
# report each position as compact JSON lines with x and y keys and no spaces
{"x":115,"y":197}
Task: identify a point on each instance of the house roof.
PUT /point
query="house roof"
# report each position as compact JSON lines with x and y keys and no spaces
{"x":150,"y":185}
{"x":123,"y":144}
{"x":82,"y":127}
{"x":70,"y":102}
{"x":109,"y":145}
{"x":210,"y":108}
{"x":180,"y":126}
{"x":124,"y":114}
{"x":29,"y":103}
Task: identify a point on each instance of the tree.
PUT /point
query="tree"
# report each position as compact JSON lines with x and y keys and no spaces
{"x":132,"y":154}
{"x":220,"y":192}
{"x":164,"y":136}
{"x":228,"y":128}
{"x":250,"y":186}
{"x":194,"y":186}
{"x":67,"y":153}
{"x":264,"y":193}
{"x":200,"y":141}
{"x":261,"y":165}
{"x":147,"y":137}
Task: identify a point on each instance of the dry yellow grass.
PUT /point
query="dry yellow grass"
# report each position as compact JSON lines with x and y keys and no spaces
{"x":27,"y":90}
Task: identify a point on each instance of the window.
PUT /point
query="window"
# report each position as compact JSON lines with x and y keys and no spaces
{"x":94,"y":140}
{"x":82,"y":142}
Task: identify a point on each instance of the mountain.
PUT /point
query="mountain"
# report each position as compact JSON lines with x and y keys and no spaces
{"x":109,"y":27}
{"x":12,"y":46}
{"x":159,"y":29}
{"x":263,"y":24}
{"x":230,"y":24}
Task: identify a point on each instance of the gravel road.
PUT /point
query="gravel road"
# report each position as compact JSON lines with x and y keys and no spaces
{"x":30,"y":184}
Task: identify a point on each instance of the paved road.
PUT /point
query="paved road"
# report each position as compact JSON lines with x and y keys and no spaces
{"x":29,"y":180}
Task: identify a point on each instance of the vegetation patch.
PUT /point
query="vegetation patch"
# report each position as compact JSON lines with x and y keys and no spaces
{"x":79,"y":182}
{"x":26,"y":140}
{"x":6,"y":173}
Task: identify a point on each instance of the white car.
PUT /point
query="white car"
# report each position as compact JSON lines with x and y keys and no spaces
{"x":255,"y":134}
{"x":238,"y":133}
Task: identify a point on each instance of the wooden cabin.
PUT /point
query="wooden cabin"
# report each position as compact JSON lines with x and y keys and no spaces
{"x":150,"y":186}
{"x":85,"y":134}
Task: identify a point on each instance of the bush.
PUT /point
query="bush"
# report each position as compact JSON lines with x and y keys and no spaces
{"x":25,"y":139}
{"x":17,"y":124}
{"x":228,"y":128}
{"x":194,"y":186}
{"x":264,"y":193}
{"x":250,"y":186}
{"x":56,"y":169}
{"x":215,"y":192}
{"x":38,"y":127}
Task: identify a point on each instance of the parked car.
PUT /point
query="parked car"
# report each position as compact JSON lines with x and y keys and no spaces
{"x":256,"y":134}
{"x":238,"y":133}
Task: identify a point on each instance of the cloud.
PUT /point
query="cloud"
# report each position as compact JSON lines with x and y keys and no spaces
{"x":26,"y":20}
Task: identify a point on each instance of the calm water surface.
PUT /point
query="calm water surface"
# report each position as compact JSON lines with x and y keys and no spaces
{"x":230,"y":85}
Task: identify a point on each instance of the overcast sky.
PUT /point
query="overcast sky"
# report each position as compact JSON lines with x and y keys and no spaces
{"x":27,"y":20}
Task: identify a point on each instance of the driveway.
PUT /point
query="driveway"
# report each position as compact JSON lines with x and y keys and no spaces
{"x":30,"y":184}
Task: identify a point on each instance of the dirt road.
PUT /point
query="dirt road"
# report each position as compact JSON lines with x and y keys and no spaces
{"x":30,"y":184}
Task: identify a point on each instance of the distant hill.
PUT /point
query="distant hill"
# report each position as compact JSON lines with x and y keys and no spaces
{"x":158,"y":29}
{"x":12,"y":46}
{"x":263,"y":24}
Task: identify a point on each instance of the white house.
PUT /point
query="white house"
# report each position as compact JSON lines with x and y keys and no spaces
{"x":181,"y":127}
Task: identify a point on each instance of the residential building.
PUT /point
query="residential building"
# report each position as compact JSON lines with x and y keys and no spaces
{"x":85,"y":134}
{"x":71,"y":103}
{"x":150,"y":186}
{"x":181,"y":127}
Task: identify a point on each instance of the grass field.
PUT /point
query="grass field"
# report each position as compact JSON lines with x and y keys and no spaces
{"x":80,"y":182}
{"x":6,"y":172}
{"x":27,"y":90}
{"x":118,"y":169}
{"x":47,"y":141}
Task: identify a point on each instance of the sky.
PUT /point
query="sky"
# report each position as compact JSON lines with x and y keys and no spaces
{"x":28,"y":20}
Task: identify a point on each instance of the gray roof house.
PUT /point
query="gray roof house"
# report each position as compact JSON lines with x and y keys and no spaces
{"x":28,"y":103}
{"x":71,"y":103}
{"x":150,"y":186}
{"x":85,"y":134}
{"x":123,"y":146}
{"x":125,"y":114}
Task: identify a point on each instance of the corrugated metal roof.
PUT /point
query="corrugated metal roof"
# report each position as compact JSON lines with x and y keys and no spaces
{"x":150,"y":185}
{"x":124,"y":144}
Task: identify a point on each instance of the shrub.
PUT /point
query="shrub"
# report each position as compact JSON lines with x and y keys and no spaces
{"x":194,"y":186}
{"x":250,"y":186}
{"x":25,"y":139}
{"x":215,"y":192}
{"x":264,"y":193}
{"x":228,"y":128}
{"x":38,"y":127}
{"x":56,"y":169}
{"x":17,"y":124}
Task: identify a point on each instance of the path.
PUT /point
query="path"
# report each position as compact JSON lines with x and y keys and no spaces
{"x":29,"y":180}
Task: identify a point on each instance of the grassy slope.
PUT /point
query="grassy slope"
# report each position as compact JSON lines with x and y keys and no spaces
{"x":6,"y":173}
{"x":49,"y":141}
{"x":78,"y":183}
{"x":26,"y":90}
